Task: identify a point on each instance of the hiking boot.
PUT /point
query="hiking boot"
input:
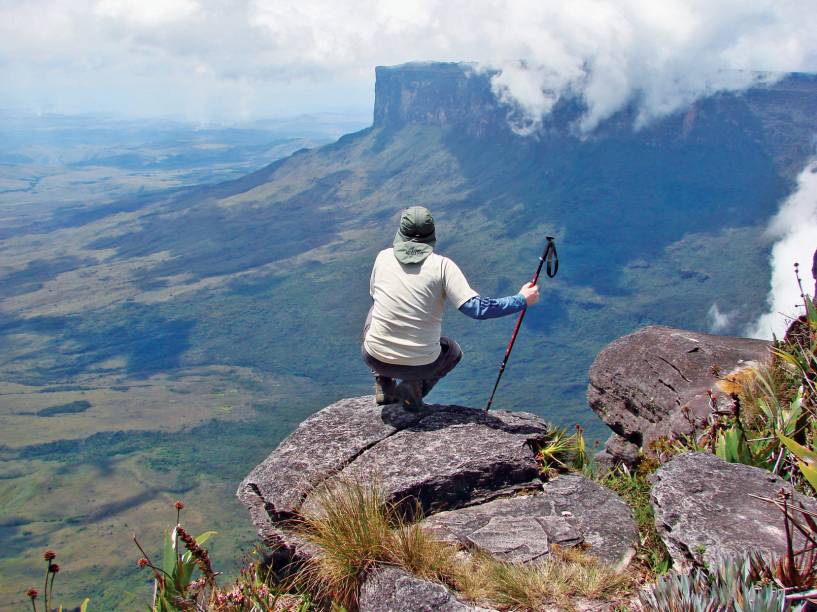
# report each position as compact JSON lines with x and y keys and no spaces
{"x":385,"y":391}
{"x":411,"y":395}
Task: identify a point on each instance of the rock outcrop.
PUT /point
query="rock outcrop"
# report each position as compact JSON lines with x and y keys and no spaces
{"x":436,"y":94}
{"x":571,"y":510}
{"x":454,"y":463}
{"x":321,"y":446}
{"x":390,"y":589}
{"x":452,"y":457}
{"x":705,"y":509}
{"x":475,"y":476}
{"x":655,"y":383}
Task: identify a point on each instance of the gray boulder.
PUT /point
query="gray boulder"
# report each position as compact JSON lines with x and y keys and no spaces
{"x":451,"y":457}
{"x":570,"y":510}
{"x":445,"y":457}
{"x":641,"y":383}
{"x":322,"y":445}
{"x":390,"y":589}
{"x":617,"y":451}
{"x":704,"y":509}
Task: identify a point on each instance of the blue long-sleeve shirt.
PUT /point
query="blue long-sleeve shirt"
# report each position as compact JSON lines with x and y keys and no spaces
{"x":489,"y":308}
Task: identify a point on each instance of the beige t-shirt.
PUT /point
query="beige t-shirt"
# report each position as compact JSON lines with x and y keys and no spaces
{"x":408,"y":307}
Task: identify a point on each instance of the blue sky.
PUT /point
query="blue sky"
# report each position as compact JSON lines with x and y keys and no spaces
{"x":206,"y":60}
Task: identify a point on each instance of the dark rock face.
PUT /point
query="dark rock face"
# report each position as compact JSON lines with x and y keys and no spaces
{"x":704,"y":509}
{"x":393,"y":590}
{"x":640,"y":384}
{"x":571,"y":510}
{"x":461,"y":95}
{"x":453,"y":457}
{"x":435,"y":94}
{"x":814,"y":272}
{"x":617,"y":450}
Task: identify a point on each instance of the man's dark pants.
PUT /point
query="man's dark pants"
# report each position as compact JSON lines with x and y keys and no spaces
{"x":430,"y":374}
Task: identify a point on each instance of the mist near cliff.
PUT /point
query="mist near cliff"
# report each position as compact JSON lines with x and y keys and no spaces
{"x":208,"y":59}
{"x":794,"y":228}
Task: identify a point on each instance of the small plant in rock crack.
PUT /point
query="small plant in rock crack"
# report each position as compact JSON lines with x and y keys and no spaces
{"x":560,"y":451}
{"x":634,"y":489}
{"x":796,"y":570}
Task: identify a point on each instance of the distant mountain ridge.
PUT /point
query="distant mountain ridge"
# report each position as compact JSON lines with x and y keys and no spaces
{"x":449,"y":94}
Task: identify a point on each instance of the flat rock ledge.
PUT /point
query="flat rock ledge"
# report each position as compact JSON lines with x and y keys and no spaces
{"x":450,"y":458}
{"x":444,"y":457}
{"x":704,"y":509}
{"x":640,"y":383}
{"x":570,"y":510}
{"x":474,"y":474}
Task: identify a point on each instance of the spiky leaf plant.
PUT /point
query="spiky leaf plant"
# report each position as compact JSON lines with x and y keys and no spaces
{"x":735,"y":585}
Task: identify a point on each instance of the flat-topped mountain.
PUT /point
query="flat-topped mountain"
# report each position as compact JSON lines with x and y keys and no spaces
{"x":461,"y":94}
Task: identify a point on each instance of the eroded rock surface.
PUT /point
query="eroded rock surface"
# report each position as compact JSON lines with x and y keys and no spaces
{"x":570,"y":510}
{"x":704,"y":509}
{"x":640,"y":383}
{"x":461,"y":462}
{"x":323,"y":444}
{"x":390,"y":589}
{"x":453,"y":457}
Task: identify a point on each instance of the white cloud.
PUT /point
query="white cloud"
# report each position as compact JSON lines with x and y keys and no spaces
{"x":213,"y":54}
{"x":795,"y":230}
{"x":719,"y":321}
{"x":147,"y":12}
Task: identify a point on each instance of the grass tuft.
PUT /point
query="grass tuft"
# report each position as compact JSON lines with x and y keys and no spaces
{"x":353,"y":530}
{"x":568,"y":574}
{"x":634,"y":489}
{"x":356,"y":528}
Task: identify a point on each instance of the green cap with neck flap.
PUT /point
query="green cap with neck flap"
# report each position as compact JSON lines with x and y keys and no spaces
{"x":415,"y":239}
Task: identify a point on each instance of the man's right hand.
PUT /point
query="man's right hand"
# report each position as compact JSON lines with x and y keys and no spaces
{"x":530,"y":293}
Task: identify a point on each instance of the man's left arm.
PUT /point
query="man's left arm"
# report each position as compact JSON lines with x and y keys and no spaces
{"x":490,"y":308}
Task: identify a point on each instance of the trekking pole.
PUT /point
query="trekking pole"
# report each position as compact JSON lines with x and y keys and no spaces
{"x":549,"y":255}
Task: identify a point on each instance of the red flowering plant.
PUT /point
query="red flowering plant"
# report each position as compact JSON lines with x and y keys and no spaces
{"x":176,"y":584}
{"x":51,"y":570}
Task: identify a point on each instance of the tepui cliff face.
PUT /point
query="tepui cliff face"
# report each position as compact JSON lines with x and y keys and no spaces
{"x":460,"y":94}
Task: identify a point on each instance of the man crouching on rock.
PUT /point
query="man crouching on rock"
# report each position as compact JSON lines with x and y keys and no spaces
{"x":409,"y":286}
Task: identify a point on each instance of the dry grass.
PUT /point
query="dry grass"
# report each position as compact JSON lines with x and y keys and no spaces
{"x":567,"y":575}
{"x":353,"y":531}
{"x":357,"y":529}
{"x":412,"y":548}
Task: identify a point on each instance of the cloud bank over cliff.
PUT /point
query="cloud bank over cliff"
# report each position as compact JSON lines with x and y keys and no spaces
{"x":252,"y":57}
{"x":795,"y":230}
